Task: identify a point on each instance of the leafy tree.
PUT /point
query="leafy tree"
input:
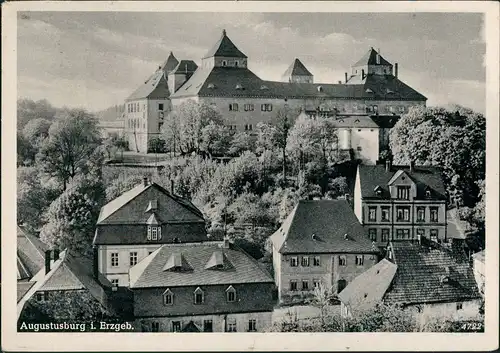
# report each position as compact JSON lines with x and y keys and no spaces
{"x":184,"y":125}
{"x":25,"y":151}
{"x":36,"y":130}
{"x":215,"y":139}
{"x":28,"y":110}
{"x":120,"y":186}
{"x":266,"y":135}
{"x":283,"y":124}
{"x":73,"y":138}
{"x":453,"y":139}
{"x":322,"y":298}
{"x":240,"y":143}
{"x":121,"y":143}
{"x":337,"y":187}
{"x":157,"y":145}
{"x":71,"y":218}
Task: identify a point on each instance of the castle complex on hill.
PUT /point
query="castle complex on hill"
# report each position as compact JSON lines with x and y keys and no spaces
{"x":223,"y":80}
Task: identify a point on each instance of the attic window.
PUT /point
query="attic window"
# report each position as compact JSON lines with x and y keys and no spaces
{"x":199,"y":296}
{"x":320,"y":88}
{"x":239,"y":86}
{"x":346,"y":237}
{"x":217,"y":261}
{"x":154,"y":233}
{"x":211,"y":86}
{"x":313,"y":236}
{"x":428,"y":193}
{"x":174,"y":262}
{"x":224,"y":63}
{"x":389,"y":91}
{"x":368,"y":90}
{"x":264,"y":87}
{"x":231,"y":294}
{"x":168,"y":297}
{"x":153,"y":205}
{"x":378,"y":189}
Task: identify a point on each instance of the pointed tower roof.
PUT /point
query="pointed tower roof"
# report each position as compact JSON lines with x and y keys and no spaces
{"x":225,"y":47}
{"x":170,"y":63}
{"x":370,"y":58}
{"x":297,"y":69}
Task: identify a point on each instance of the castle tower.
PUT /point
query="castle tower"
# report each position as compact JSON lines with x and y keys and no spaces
{"x":224,"y":54}
{"x":180,"y":74}
{"x":297,"y":73}
{"x":169,"y":64}
{"x":372,"y":63}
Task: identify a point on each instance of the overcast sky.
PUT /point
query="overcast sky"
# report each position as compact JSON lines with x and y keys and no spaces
{"x":96,"y":59}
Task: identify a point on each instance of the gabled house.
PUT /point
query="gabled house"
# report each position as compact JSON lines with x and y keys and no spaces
{"x":320,"y":242}
{"x":138,"y":222}
{"x":425,"y":278}
{"x":201,"y":287}
{"x":396,"y":203}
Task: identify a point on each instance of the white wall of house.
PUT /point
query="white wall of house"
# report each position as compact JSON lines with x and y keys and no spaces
{"x":479,"y":274}
{"x":466,"y":310}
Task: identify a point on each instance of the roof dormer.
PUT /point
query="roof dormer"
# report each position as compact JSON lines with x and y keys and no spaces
{"x":218,"y":261}
{"x":176,"y":262}
{"x":152,"y":206}
{"x":402,"y":186}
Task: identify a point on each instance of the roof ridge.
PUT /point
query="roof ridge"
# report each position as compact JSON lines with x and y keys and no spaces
{"x":256,"y":263}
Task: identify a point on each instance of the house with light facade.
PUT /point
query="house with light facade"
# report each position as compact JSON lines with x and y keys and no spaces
{"x":425,"y":278}
{"x":321,"y":242}
{"x":224,"y":81}
{"x":399,"y":203}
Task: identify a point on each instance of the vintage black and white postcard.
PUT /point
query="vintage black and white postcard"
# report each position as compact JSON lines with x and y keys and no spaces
{"x":232,"y":175}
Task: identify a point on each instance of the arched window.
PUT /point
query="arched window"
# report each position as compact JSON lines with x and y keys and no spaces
{"x":168,"y":297}
{"x":199,"y":296}
{"x":231,"y":294}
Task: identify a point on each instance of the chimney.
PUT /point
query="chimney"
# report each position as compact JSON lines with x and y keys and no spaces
{"x":56,"y":254}
{"x":388,"y":165}
{"x":412,"y":166}
{"x":362,"y":74}
{"x":396,"y":70}
{"x":145,"y":181}
{"x":172,"y":186}
{"x":345,"y":74}
{"x":95,"y":263}
{"x":47,"y":261}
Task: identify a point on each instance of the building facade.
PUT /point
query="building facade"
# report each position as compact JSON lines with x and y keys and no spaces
{"x":396,"y":203}
{"x":201,"y":288}
{"x":224,"y":82}
{"x":137,"y":223}
{"x":320,"y":243}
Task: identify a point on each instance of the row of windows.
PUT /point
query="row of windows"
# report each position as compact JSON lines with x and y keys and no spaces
{"x":304,"y":261}
{"x":154,"y":233}
{"x":402,"y":234}
{"x":208,"y":325}
{"x":234,"y":107}
{"x":198,"y":296}
{"x":135,"y":107}
{"x":135,"y":123}
{"x":133,"y":259}
{"x":403,"y":213}
{"x":294,"y":284}
{"x":235,"y":63}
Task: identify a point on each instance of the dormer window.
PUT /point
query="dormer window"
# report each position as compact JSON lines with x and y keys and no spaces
{"x":154,"y":233}
{"x":168,"y":297}
{"x":236,"y":63}
{"x":231,"y":294}
{"x":264,"y":87}
{"x":211,"y":86}
{"x":320,"y":88}
{"x":368,"y":90}
{"x":239,"y":86}
{"x":199,"y":296}
{"x":428,"y":193}
{"x":403,"y":192}
{"x":224,"y":63}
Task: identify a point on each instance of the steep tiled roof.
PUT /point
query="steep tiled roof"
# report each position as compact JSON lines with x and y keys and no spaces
{"x":129,"y":208}
{"x":155,"y":87}
{"x":376,"y":175}
{"x":368,"y":289}
{"x":370,"y":58}
{"x":320,"y":226}
{"x":30,"y":252}
{"x":170,"y":63}
{"x":428,"y":274}
{"x":223,"y":82}
{"x":225,"y":47}
{"x":185,"y":66}
{"x":149,"y":272}
{"x":297,"y":69}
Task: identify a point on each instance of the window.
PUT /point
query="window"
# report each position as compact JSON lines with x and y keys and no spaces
{"x":316,"y":283}
{"x":372,"y":214}
{"x":305,"y":284}
{"x":375,"y":108}
{"x":154,"y":233}
{"x":420,"y":214}
{"x":266,"y":107}
{"x":41,"y":296}
{"x":459,"y":306}
{"x":402,"y":234}
{"x":401,"y":109}
{"x":115,"y":282}
{"x":304,"y":261}
{"x":420,"y":233}
{"x":294,"y":261}
{"x":252,"y":325}
{"x":391,"y":109}
{"x":317,"y":261}
{"x":359,"y":148}
{"x":236,"y":63}
{"x":176,"y":326}
{"x":160,"y":107}
{"x":402,"y":214}
{"x":231,"y":325}
{"x":434,"y":235}
{"x":248,"y":127}
{"x":233,"y":107}
{"x":342,"y":260}
{"x":114,"y":259}
{"x":372,"y":233}
{"x":155,"y":326}
{"x":403,"y":192}
{"x":434,"y":214}
{"x":168,"y":297}
{"x":359,"y":260}
{"x":224,"y":63}
{"x":208,"y":326}
{"x":385,"y":234}
{"x":198,"y":296}
{"x":293,"y":285}
{"x":248,"y":107}
{"x":385,"y":214}
{"x":231,"y":294}
{"x":133,"y":258}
